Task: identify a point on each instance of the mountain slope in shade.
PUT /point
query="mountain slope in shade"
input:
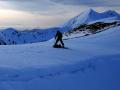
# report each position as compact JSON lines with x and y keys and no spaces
{"x":90,"y":16}
{"x":91,"y":28}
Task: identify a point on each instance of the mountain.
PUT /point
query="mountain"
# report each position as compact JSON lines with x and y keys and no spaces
{"x":12,"y":36}
{"x":91,"y":16}
{"x":87,"y":18}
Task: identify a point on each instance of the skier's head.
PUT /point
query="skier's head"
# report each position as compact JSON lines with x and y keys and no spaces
{"x":58,"y":31}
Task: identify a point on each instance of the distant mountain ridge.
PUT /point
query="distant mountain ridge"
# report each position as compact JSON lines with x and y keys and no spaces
{"x":11,"y":36}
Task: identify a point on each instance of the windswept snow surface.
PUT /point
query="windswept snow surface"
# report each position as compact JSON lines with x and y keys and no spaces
{"x":90,"y":63}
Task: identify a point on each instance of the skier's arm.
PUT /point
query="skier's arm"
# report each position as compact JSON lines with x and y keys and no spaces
{"x":56,"y":35}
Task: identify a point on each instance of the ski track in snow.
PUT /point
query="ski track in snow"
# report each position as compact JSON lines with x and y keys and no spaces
{"x":18,"y":77}
{"x":81,"y":68}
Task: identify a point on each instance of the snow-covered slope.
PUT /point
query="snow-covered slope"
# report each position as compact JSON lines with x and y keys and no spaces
{"x":90,"y":16}
{"x":90,"y":63}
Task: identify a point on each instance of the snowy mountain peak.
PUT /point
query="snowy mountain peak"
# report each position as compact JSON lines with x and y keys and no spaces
{"x":112,"y":13}
{"x":10,"y":30}
{"x":89,"y":16}
{"x":90,"y":11}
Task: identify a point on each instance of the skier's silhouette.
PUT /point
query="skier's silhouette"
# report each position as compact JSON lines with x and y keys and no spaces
{"x":58,"y":38}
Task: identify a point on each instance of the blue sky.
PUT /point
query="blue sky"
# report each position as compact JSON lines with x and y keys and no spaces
{"x":47,"y":13}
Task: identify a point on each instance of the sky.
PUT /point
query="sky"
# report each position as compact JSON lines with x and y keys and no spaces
{"x":47,"y":13}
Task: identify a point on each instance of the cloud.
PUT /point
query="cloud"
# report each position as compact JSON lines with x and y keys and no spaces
{"x":93,"y":3}
{"x":43,"y":7}
{"x":45,"y":13}
{"x":55,"y":7}
{"x":26,"y":5}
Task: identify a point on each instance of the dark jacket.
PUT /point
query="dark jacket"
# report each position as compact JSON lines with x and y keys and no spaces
{"x":58,"y":35}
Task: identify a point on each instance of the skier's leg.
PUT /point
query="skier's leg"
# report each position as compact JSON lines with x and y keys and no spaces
{"x":56,"y":41}
{"x":62,"y":42}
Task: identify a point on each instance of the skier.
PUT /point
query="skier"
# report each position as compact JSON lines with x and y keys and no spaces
{"x":58,"y":38}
